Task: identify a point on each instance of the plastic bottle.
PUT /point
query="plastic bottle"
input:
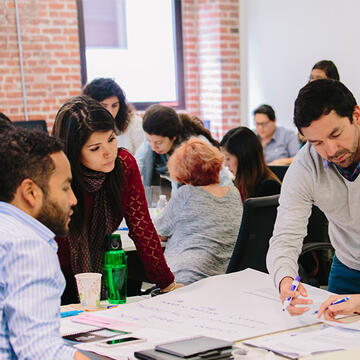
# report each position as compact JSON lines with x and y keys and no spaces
{"x":115,"y":270}
{"x":161,"y":204}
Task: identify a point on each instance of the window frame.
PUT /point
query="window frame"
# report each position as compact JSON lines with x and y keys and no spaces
{"x":179,"y":58}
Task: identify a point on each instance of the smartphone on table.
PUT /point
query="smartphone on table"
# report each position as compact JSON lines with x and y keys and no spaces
{"x":122,"y":341}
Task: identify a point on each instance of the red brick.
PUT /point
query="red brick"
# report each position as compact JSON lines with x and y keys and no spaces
{"x":205,"y":23}
{"x":56,"y":5}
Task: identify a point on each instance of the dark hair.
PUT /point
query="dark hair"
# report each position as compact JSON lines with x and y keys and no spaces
{"x":75,"y":121}
{"x":266,"y":110}
{"x":103,"y":88}
{"x":227,"y":136}
{"x":164,"y":121}
{"x":329,"y":68}
{"x":5,"y":123}
{"x":252,"y":169}
{"x":320,"y":97}
{"x":25,"y":154}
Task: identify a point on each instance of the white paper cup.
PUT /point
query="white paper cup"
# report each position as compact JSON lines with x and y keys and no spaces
{"x":89,"y":286}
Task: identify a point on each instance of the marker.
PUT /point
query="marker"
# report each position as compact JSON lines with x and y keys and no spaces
{"x":340,"y":300}
{"x":70,"y":313}
{"x":294,"y":286}
{"x":337,"y":302}
{"x":111,"y":306}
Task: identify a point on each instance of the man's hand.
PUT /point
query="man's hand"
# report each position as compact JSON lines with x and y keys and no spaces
{"x":285,"y":286}
{"x":347,"y":307}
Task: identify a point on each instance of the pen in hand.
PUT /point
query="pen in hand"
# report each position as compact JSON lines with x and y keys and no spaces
{"x":347,"y":298}
{"x":294,"y":287}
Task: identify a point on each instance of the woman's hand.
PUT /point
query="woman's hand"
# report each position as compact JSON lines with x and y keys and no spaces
{"x":171,"y":287}
{"x":347,"y":307}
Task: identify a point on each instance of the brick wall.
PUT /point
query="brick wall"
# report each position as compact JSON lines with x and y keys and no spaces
{"x":52,"y":65}
{"x":212,"y":62}
{"x":51,"y":57}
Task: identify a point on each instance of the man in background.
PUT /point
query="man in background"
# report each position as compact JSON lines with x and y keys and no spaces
{"x":280,"y":144}
{"x":36,"y":203}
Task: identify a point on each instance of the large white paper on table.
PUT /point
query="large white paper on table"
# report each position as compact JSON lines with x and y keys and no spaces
{"x":309,"y":342}
{"x":350,"y":326}
{"x":232,"y":307}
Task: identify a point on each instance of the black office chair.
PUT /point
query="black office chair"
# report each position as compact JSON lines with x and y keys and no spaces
{"x":32,"y":124}
{"x":279,"y":170}
{"x":317,"y":253}
{"x":256,"y":229}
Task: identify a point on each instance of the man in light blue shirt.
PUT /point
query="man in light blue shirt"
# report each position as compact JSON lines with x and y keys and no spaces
{"x":36,"y":203}
{"x":280,"y":144}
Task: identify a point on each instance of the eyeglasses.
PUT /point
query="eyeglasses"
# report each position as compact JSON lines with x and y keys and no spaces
{"x":263,"y":124}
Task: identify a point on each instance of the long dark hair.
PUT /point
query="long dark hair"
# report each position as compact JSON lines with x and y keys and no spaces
{"x":164,"y":121}
{"x":103,"y":88}
{"x":75,"y":121}
{"x":252,"y":168}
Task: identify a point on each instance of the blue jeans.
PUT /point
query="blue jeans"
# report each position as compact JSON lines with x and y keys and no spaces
{"x":342,"y":279}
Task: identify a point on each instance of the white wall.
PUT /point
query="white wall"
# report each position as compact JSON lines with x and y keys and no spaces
{"x":280,"y":41}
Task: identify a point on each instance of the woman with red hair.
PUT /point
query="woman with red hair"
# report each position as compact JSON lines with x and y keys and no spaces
{"x":202,"y":220}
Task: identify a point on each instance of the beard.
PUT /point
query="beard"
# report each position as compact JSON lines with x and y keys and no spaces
{"x":54,"y":217}
{"x":348,"y":161}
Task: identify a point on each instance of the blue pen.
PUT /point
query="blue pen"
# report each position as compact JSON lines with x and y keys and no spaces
{"x":70,"y":313}
{"x":341,"y":300}
{"x":347,"y":298}
{"x":294,"y":286}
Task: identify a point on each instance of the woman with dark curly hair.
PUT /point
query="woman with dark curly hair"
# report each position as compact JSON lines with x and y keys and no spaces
{"x":128,"y":125}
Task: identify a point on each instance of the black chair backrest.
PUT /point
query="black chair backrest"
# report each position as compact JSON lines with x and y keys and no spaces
{"x":316,"y":257}
{"x":32,"y":124}
{"x":279,"y":170}
{"x":255,"y":232}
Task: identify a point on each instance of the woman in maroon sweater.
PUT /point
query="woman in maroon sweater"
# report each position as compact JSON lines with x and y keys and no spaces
{"x":108,"y":186}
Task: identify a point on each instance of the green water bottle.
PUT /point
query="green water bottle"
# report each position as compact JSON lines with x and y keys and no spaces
{"x":115,"y":270}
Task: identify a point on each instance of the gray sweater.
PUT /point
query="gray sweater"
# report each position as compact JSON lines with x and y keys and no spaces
{"x":308,"y":182}
{"x":202,"y":231}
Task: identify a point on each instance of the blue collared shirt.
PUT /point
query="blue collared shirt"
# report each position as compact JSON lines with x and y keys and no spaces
{"x":31,"y":284}
{"x":284,"y":144}
{"x":348,"y":175}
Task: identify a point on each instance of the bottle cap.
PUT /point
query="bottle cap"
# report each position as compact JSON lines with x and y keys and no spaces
{"x":113,"y":242}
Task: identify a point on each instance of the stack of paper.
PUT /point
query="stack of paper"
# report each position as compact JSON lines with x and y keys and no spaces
{"x":309,"y":342}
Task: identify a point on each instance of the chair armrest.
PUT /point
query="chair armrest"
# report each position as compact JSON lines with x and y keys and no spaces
{"x":315,"y":246}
